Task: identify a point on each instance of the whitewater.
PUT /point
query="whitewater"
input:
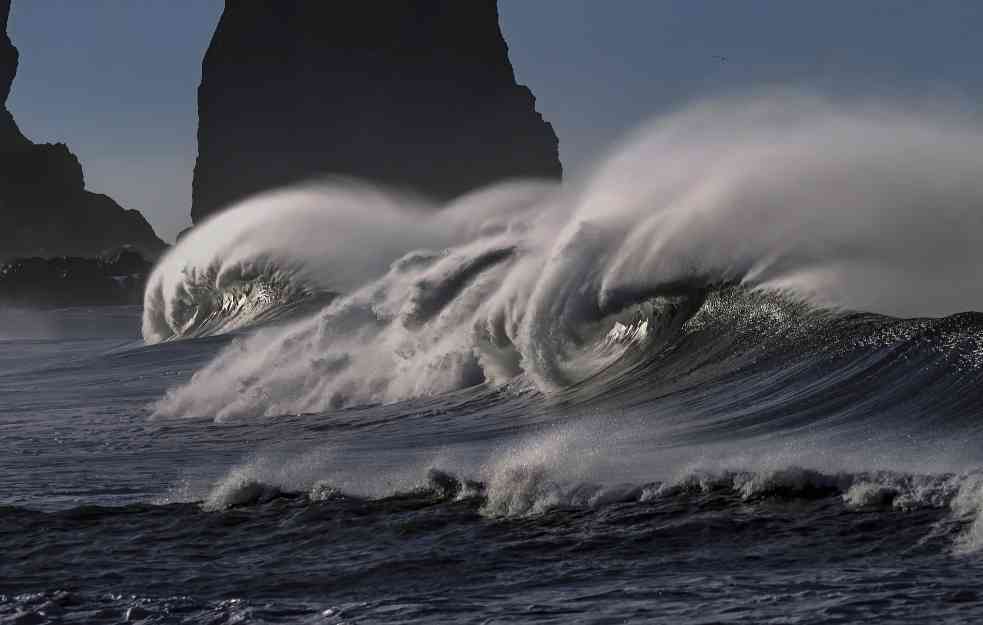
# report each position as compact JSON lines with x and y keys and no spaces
{"x":732,"y":373}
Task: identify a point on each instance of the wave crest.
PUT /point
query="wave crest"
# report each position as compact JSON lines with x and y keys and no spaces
{"x":811,"y":201}
{"x":223,"y":298}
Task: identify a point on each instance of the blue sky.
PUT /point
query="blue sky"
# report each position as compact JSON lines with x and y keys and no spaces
{"x":116,"y":79}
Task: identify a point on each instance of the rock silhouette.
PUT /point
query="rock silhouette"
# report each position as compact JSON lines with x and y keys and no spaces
{"x":44,"y":207}
{"x":418,"y":95}
{"x":115,"y":278}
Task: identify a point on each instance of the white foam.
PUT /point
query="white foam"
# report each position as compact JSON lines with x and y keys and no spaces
{"x":862,"y":206}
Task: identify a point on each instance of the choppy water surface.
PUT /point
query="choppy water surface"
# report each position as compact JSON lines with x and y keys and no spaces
{"x":675,"y":504}
{"x":732,"y":376}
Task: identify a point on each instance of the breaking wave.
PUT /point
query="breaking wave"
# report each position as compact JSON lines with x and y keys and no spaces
{"x":752,"y":299}
{"x":507,"y":489}
{"x":778,"y":212}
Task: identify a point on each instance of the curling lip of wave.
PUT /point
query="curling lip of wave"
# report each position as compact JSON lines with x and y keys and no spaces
{"x":267,"y":253}
{"x":221,"y":300}
{"x":822,"y":202}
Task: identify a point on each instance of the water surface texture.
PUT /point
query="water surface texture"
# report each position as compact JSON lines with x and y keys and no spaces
{"x":731,"y":376}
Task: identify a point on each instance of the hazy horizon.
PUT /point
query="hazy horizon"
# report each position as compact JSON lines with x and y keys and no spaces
{"x":117,"y":82}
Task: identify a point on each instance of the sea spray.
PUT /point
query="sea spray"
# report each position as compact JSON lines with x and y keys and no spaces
{"x":843,"y":206}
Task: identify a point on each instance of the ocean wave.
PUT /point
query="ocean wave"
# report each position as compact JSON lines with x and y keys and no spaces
{"x":778,"y":212}
{"x":524,"y":489}
{"x":221,"y":299}
{"x":748,"y":277}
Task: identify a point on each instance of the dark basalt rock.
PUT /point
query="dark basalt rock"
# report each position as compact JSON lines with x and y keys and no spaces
{"x":416,"y":94}
{"x":118,"y":277}
{"x":44,"y":207}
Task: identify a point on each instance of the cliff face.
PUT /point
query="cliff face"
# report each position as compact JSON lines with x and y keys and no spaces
{"x":417,"y":94}
{"x":44,"y":207}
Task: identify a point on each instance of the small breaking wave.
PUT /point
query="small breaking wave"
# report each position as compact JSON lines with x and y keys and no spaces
{"x":512,"y":490}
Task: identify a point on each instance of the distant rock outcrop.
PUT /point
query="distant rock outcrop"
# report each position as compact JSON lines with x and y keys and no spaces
{"x":417,"y":94}
{"x":44,"y":207}
{"x":116,"y":278}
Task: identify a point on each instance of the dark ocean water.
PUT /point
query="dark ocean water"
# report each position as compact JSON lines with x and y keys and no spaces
{"x":636,"y":396}
{"x":759,"y":479}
